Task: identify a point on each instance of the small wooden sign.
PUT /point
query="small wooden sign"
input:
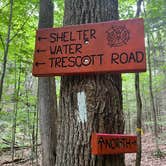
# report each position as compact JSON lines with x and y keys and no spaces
{"x":104,"y":144}
{"x":114,"y":46}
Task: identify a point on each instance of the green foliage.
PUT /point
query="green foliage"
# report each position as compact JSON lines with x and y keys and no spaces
{"x":20,"y":88}
{"x":159,"y":154}
{"x":58,"y":12}
{"x":130,"y":5}
{"x":154,"y":14}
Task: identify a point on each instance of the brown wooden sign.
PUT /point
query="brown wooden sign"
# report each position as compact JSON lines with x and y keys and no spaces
{"x":104,"y":144}
{"x":114,"y":46}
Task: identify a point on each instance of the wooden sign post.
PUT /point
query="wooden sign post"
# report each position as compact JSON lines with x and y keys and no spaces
{"x":114,"y":46}
{"x":104,"y":144}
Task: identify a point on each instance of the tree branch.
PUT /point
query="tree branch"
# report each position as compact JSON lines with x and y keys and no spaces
{"x":6,"y":50}
{"x":5,"y":5}
{"x":138,"y":8}
{"x":22,"y":26}
{"x":3,"y":44}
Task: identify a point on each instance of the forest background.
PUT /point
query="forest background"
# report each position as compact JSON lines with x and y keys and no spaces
{"x":18,"y":88}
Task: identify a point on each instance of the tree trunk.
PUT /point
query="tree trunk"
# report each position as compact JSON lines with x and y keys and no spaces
{"x":139,"y":120}
{"x":47,"y":97}
{"x":151,"y":95}
{"x":6,"y":50}
{"x":89,"y":103}
{"x":15,"y":110}
{"x":151,"y":88}
{"x":139,"y":104}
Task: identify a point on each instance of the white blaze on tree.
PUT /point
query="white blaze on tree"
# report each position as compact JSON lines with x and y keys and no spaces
{"x":82,"y":111}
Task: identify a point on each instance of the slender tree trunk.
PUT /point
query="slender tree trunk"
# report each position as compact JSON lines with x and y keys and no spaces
{"x":152,"y":97}
{"x":139,"y":120}
{"x":139,"y":104}
{"x":47,"y":97}
{"x":15,"y":111}
{"x":89,"y":103}
{"x":6,"y":49}
{"x":128,"y":116}
{"x":129,"y":121}
{"x":36,"y":137}
{"x":156,"y":102}
{"x":151,"y":91}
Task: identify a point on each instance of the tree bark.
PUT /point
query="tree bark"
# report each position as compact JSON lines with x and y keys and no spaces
{"x":139,"y":120}
{"x":89,"y":103}
{"x":139,"y":104}
{"x":47,"y":97}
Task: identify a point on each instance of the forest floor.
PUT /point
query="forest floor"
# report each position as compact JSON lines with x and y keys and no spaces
{"x":148,"y":156}
{"x":148,"y":153}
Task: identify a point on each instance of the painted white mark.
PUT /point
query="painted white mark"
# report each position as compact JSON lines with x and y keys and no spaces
{"x":81,"y":101}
